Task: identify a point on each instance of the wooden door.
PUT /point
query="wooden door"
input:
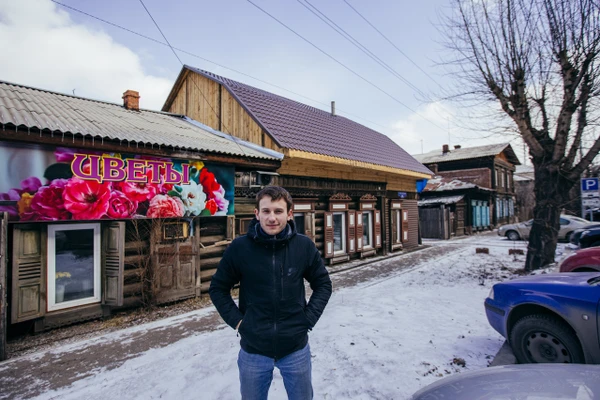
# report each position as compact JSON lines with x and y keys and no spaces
{"x":174,"y":261}
{"x":3,"y":230}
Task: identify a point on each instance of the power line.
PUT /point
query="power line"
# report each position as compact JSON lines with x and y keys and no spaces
{"x":212,"y":62}
{"x":390,"y":42}
{"x":345,"y":66}
{"x":360,"y":46}
{"x":197,"y":87}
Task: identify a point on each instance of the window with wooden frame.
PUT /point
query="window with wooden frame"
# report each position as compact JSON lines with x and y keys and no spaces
{"x":339,"y":229}
{"x":370,"y":222}
{"x":304,"y":218}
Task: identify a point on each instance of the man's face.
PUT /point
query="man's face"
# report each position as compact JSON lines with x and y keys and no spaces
{"x":272,"y":215}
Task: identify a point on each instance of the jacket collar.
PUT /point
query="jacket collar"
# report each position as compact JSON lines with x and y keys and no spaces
{"x":256,"y":233}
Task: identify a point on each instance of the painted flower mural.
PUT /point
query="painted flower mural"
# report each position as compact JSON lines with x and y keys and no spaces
{"x":119,"y":186}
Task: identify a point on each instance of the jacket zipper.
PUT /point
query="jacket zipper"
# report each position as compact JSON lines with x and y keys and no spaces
{"x":274,"y":306}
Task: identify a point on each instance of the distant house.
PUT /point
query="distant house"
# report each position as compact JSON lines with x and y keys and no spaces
{"x":524,"y":190}
{"x":355,"y":189}
{"x":109,"y":205}
{"x":491,"y":167}
{"x":452,"y":207}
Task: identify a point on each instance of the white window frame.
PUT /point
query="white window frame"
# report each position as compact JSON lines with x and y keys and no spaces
{"x":51,"y":298}
{"x":344,"y":232}
{"x":368,"y":229}
{"x":398,"y":219}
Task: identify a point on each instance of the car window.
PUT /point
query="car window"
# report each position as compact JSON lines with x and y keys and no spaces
{"x":564,"y":221}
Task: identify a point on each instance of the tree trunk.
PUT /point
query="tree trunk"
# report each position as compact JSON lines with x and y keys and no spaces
{"x":552,"y":193}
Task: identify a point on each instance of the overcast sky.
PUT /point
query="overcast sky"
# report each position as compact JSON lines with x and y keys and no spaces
{"x":49,"y":46}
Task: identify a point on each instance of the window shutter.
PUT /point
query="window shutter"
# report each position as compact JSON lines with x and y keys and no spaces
{"x":309,"y":225}
{"x":404,"y":225}
{"x":28,"y":280}
{"x":394,"y":226}
{"x":328,"y":235}
{"x":113,"y":255}
{"x":351,"y":227}
{"x":359,"y":231}
{"x":377,"y":224}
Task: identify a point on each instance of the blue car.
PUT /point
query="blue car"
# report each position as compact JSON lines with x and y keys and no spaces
{"x":549,"y":318}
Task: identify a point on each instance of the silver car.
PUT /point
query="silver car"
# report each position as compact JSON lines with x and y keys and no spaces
{"x":523,"y":382}
{"x":568,"y":224}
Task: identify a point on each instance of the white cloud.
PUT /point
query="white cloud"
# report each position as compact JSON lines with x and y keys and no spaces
{"x":44,"y":48}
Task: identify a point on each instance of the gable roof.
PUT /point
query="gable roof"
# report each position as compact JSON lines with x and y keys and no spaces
{"x":43,"y":110}
{"x":466,"y":153}
{"x":298,"y":126}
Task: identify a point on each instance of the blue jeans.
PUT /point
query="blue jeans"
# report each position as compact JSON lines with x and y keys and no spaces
{"x":256,"y":374}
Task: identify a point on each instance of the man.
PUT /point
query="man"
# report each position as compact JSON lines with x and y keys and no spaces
{"x":273,"y":319}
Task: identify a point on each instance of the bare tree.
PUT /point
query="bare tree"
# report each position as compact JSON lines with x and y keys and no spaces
{"x":538,"y":60}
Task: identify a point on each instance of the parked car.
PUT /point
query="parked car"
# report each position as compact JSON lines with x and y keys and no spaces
{"x":590,"y":238}
{"x":577,"y":233}
{"x":541,"y":381}
{"x":582,"y":260}
{"x":568,"y":224}
{"x":549,"y":318}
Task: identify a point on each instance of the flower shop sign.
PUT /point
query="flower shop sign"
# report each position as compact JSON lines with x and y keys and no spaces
{"x":77,"y":184}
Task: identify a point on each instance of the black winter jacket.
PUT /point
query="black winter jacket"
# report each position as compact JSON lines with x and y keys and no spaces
{"x":272,"y":301}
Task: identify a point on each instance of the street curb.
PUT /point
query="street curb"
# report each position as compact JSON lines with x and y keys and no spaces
{"x":504,"y":356}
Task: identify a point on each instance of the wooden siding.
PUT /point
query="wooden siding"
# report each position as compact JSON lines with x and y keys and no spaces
{"x":206,"y":101}
{"x":321,"y":169}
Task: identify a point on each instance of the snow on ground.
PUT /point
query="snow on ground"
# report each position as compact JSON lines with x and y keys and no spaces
{"x":382,"y":339}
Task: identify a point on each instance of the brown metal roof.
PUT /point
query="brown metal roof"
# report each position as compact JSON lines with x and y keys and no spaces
{"x":31,"y":108}
{"x":466,"y":153}
{"x":297,"y":126}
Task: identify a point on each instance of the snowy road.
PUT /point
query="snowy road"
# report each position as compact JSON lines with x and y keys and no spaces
{"x":390,"y":328}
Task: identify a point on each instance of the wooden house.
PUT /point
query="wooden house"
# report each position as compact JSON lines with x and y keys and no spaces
{"x":355,"y":190}
{"x":108,"y":205}
{"x":450,"y":207}
{"x":491,"y":167}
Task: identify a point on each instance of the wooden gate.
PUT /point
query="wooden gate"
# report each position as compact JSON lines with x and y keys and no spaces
{"x":3,"y":298}
{"x":435,"y":223}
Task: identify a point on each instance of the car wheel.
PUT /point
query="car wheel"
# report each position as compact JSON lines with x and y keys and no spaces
{"x":540,"y":338}
{"x":512,"y":235}
{"x":568,"y":237}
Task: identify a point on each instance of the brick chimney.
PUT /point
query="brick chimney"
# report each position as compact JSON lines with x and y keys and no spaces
{"x":333,"y":108}
{"x":457,"y":146}
{"x":131,"y":100}
{"x":445,"y":149}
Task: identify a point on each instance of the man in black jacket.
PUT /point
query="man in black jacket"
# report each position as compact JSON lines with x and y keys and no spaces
{"x":273,"y":318}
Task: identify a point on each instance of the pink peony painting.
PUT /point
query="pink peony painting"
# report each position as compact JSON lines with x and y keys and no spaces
{"x":62,"y":195}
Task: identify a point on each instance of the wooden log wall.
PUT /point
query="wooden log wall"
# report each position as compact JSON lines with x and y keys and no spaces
{"x":137,"y":261}
{"x":213,"y":242}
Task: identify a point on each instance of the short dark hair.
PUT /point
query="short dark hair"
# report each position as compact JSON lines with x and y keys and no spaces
{"x":275,"y":193}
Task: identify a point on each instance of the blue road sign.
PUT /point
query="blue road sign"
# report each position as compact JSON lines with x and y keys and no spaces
{"x":589,"y":184}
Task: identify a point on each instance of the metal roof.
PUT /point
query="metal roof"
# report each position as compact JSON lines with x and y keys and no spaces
{"x":440,"y":200}
{"x":298,"y":126}
{"x":443,"y":184}
{"x":465,"y":153}
{"x":32,"y":108}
